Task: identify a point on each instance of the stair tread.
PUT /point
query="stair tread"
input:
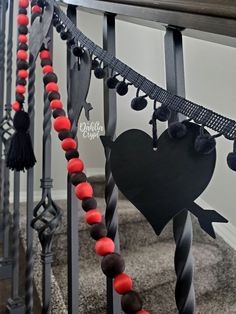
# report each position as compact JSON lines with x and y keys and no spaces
{"x":157,"y":257}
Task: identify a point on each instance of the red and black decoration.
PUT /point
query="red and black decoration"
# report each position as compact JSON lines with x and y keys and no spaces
{"x":112,"y":264}
{"x":20,"y":154}
{"x":159,"y":183}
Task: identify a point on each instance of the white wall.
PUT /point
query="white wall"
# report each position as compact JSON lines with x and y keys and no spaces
{"x":210,"y":80}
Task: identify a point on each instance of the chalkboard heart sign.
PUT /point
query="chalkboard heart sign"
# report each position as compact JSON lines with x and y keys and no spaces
{"x":162,"y":183}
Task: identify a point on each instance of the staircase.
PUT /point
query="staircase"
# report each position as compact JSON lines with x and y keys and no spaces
{"x":149,"y":261}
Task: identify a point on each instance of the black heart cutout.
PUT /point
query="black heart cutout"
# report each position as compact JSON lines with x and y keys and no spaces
{"x":160,"y":183}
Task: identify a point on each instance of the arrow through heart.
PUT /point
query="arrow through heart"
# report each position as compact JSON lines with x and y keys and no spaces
{"x":162,"y":183}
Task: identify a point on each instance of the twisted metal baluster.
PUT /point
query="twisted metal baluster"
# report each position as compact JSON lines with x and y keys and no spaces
{"x":182,"y":224}
{"x":111,"y":192}
{"x":47,"y":214}
{"x":30,"y":192}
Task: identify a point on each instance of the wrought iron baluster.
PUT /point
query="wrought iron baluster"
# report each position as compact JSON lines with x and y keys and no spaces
{"x":111,"y":192}
{"x":182,"y":224}
{"x":72,"y":203}
{"x":47,"y":215}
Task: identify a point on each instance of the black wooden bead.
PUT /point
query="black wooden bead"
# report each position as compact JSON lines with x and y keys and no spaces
{"x":77,"y":178}
{"x":49,"y":77}
{"x":64,"y":35}
{"x":22,"y":46}
{"x":122,"y":88}
{"x":95,"y":64}
{"x":99,"y":73}
{"x":20,"y":98}
{"x":65,"y":134}
{"x":59,"y":28}
{"x":34,"y":15}
{"x":22,"y":11}
{"x":46,"y":62}
{"x":78,"y":51}
{"x":23,"y":29}
{"x":89,"y":203}
{"x":139,"y":103}
{"x":58,"y":112}
{"x":113,"y":265}
{"x":112,"y":82}
{"x":131,"y":302}
{"x":72,"y":153}
{"x":21,"y":81}
{"x":22,"y":65}
{"x":98,"y":231}
{"x":53,"y":95}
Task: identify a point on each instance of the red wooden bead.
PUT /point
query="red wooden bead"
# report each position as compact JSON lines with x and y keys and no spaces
{"x":23,"y":3}
{"x":83,"y":190}
{"x":22,"y":38}
{"x":20,"y":89}
{"x":23,"y":74}
{"x":36,"y":8}
{"x":22,"y":54}
{"x":123,"y":283}
{"x":61,"y":123}
{"x":68,"y":143}
{"x":52,"y":87}
{"x":142,"y":312}
{"x":16,"y":106}
{"x":22,"y":19}
{"x":55,"y":104}
{"x":45,"y":54}
{"x":104,"y":246}
{"x":47,"y":69}
{"x":93,"y":216}
{"x":75,"y":165}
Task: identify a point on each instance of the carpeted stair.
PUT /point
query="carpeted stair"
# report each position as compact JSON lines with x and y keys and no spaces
{"x":150,"y":262}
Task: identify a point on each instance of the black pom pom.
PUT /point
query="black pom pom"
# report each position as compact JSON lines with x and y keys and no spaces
{"x":205,"y":143}
{"x":65,"y":134}
{"x":99,"y":73}
{"x":113,"y":265}
{"x":122,"y":88}
{"x":53,"y":95}
{"x":20,"y":154}
{"x":20,"y":81}
{"x":89,"y":203}
{"x":22,"y":11}
{"x":177,"y":130}
{"x":162,"y":113}
{"x":78,"y":51}
{"x":58,"y":112}
{"x":23,"y":29}
{"x":77,"y":178}
{"x":231,"y":161}
{"x":55,"y":21}
{"x":59,"y":28}
{"x":70,"y":42}
{"x":20,"y":98}
{"x":22,"y":46}
{"x":72,"y":153}
{"x":139,"y":103}
{"x":49,"y":77}
{"x":95,"y":64}
{"x":112,"y":82}
{"x":131,"y":302}
{"x":46,"y":62}
{"x":98,"y":231}
{"x":64,"y":35}
{"x":34,"y":15}
{"x":22,"y":65}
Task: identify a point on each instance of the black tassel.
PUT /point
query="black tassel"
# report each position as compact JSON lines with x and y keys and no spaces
{"x":20,"y":155}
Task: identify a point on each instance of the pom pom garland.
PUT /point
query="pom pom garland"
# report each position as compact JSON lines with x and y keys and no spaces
{"x":99,"y":73}
{"x":162,"y":113}
{"x":205,"y":143}
{"x":104,"y":246}
{"x":83,"y":190}
{"x":112,"y":82}
{"x":122,"y":88}
{"x":177,"y":130}
{"x":139,"y":103}
{"x":112,"y":264}
{"x":123,"y":283}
